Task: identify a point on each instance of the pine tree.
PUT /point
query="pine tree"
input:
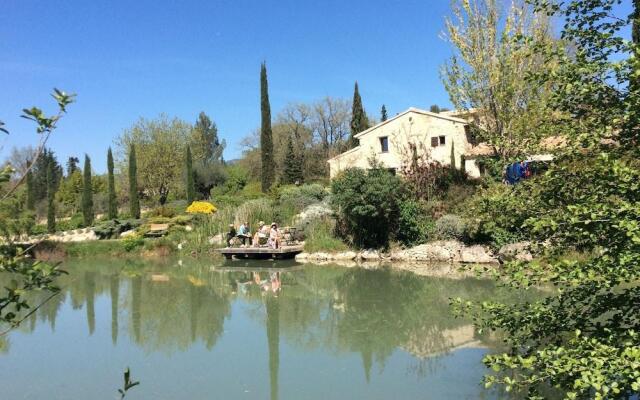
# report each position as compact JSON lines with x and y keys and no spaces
{"x":87,"y":193}
{"x":134,"y":202}
{"x":206,"y":147}
{"x":359,"y":121}
{"x":292,"y":165}
{"x":266,"y":139}
{"x":435,"y":109}
{"x":40,"y":168}
{"x":383,"y":113}
{"x":191,"y":188}
{"x":51,"y":192}
{"x":72,"y":165}
{"x":31,"y":199}
{"x":111,"y":188}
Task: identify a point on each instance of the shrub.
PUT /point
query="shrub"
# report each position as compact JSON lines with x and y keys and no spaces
{"x":254,"y":211}
{"x":39,"y":229}
{"x":498,"y":213}
{"x":201,"y":207}
{"x":131,"y":242}
{"x":162,"y":211}
{"x":450,"y":227}
{"x":415,"y":225}
{"x":112,"y":229}
{"x":294,"y":199}
{"x":319,"y":235}
{"x":367,"y":205}
{"x":75,"y":222}
{"x":182,"y":219}
{"x":159,"y":220}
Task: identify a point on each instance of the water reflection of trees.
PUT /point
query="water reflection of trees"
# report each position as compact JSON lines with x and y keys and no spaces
{"x":372,"y":313}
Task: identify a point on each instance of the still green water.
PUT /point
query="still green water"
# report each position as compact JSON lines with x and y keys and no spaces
{"x":242,"y":331}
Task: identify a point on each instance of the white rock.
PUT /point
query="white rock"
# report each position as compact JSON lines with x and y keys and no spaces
{"x":128,"y":233}
{"x":520,"y":251}
{"x":369,"y":255}
{"x":345,"y":256}
{"x":445,"y":251}
{"x":477,"y":255}
{"x":188,"y":228}
{"x":217,"y":239}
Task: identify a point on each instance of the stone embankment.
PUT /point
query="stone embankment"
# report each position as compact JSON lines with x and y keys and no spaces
{"x":76,"y":235}
{"x":448,"y":251}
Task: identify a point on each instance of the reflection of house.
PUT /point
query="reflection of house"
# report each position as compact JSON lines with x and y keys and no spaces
{"x":389,"y":142}
{"x":430,"y":341}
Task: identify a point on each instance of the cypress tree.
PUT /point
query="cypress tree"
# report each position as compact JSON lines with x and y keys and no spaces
{"x":87,"y":193}
{"x":134,"y":202}
{"x":51,"y":205}
{"x":453,"y":155}
{"x":292,"y":165}
{"x":31,"y":199}
{"x":191,"y":188}
{"x":111,"y":189}
{"x":266,"y":136}
{"x":383,"y":113}
{"x":359,"y":120}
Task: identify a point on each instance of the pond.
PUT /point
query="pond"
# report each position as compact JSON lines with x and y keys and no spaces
{"x":243,"y":331}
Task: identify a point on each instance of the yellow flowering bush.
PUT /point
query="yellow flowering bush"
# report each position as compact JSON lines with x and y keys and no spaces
{"x":201,"y":207}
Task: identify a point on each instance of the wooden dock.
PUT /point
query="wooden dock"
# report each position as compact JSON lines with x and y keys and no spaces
{"x":262,"y":253}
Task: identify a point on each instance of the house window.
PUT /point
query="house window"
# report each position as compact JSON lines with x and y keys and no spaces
{"x":438,"y":141}
{"x":384,"y":144}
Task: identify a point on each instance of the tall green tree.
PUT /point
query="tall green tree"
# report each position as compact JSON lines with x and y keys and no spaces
{"x":452,"y":160}
{"x":582,"y":337}
{"x":134,"y":201}
{"x":160,"y":149}
{"x":72,"y":165}
{"x":488,"y":69}
{"x":359,"y":121}
{"x":383,"y":113}
{"x":266,"y":136}
{"x":635,"y":38}
{"x":206,"y":146}
{"x":293,"y":171}
{"x":46,"y":160}
{"x":207,"y":153}
{"x":111,"y":187}
{"x":190,"y":184}
{"x":51,"y":204}
{"x":87,"y":193}
{"x":31,"y":201}
{"x":635,"y":27}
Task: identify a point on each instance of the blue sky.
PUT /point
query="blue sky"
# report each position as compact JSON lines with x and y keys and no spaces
{"x":127,"y":59}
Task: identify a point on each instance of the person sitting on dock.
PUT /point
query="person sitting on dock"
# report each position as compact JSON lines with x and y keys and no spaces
{"x":231,"y":234}
{"x":244,"y":234}
{"x":261,"y":234}
{"x":274,"y":236}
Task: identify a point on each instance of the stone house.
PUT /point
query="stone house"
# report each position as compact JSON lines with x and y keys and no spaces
{"x":389,"y":142}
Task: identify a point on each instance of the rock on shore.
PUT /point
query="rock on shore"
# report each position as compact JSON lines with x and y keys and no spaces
{"x":449,"y":251}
